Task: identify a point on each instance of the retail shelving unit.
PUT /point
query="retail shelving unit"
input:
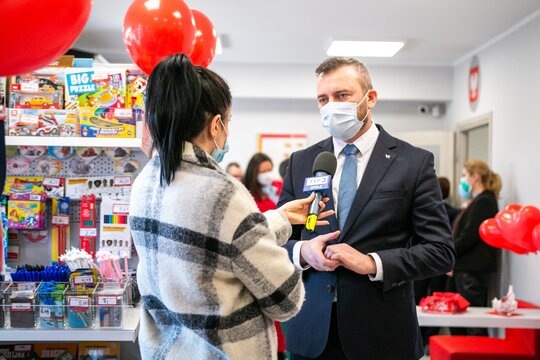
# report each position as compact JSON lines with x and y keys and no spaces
{"x":72,"y":141}
{"x":128,"y":332}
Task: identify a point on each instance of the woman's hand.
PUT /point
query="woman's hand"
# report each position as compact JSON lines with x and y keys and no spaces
{"x":296,"y":211}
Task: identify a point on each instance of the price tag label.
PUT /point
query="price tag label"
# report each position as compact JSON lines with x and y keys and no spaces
{"x":122,"y":181}
{"x":26,"y":306}
{"x":107,"y":300}
{"x":60,"y":220}
{"x":29,"y":87}
{"x":90,"y":232}
{"x":51,"y":182}
{"x":29,"y":119}
{"x":122,"y":113}
{"x":24,"y":286}
{"x":121,"y":209}
{"x":84,"y":279}
{"x":79,"y":303}
{"x":45,"y":312}
{"x":34,"y":197}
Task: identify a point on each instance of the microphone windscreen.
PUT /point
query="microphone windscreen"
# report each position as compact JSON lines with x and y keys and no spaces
{"x":325,"y":161}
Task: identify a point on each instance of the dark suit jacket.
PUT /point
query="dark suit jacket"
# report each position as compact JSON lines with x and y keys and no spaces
{"x":473,"y":254}
{"x":397,"y":213}
{"x":452,"y":212}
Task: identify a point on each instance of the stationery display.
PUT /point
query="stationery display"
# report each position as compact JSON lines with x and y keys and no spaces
{"x":48,"y":193}
{"x":115,"y":235}
{"x":51,"y":305}
{"x":22,"y":303}
{"x":88,"y":225}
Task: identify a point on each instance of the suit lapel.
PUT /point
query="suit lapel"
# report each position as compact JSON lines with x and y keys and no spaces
{"x":380,"y":161}
{"x":328,"y":145}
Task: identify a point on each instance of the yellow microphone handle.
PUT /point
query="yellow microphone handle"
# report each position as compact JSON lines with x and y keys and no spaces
{"x":311,"y":221}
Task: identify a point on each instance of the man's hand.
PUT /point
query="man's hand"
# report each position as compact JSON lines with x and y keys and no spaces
{"x":351,"y":258}
{"x":296,"y":211}
{"x":311,"y":252}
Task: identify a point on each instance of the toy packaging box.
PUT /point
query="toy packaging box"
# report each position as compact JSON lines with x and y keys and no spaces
{"x":137,"y":81}
{"x":26,"y":212}
{"x":114,"y":229}
{"x":42,"y":122}
{"x":56,"y":351}
{"x":94,"y":88}
{"x":3,"y":89}
{"x":106,"y":122}
{"x":42,"y":89}
{"x":23,"y":96}
{"x":99,"y":186}
{"x":10,"y":180}
{"x":18,"y":352}
{"x":99,"y":351}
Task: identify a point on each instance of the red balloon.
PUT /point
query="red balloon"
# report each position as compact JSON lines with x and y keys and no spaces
{"x":536,"y":237}
{"x":491,"y":234}
{"x":205,"y":40}
{"x":516,"y":224}
{"x":37,"y":32}
{"x":154,"y":29}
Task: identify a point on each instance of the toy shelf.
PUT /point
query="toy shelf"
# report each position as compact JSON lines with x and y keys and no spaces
{"x":129,"y":332}
{"x":73,"y":141}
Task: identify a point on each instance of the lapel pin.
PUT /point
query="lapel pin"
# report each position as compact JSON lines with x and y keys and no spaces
{"x":387,"y":156}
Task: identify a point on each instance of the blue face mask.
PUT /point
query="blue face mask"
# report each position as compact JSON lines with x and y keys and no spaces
{"x":464,"y":189}
{"x":218,"y":154}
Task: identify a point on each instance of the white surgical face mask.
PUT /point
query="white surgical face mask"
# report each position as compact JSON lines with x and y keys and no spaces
{"x":339,"y":119}
{"x":265,"y":178}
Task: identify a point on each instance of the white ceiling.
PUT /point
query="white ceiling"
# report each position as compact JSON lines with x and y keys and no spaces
{"x":436,"y":32}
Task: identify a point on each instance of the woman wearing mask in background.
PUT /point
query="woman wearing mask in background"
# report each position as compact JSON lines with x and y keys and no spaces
{"x":265,"y":191}
{"x":211,"y":273}
{"x":260,"y":183}
{"x":476,"y":261}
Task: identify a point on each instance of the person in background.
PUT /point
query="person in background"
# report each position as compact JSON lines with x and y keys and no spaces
{"x":476,"y":261}
{"x":451,"y":211}
{"x":235,"y":170}
{"x":211,"y":272}
{"x":425,"y":287}
{"x":392,"y":228}
{"x":283,"y":168}
{"x":259,"y":181}
{"x":265,"y":191}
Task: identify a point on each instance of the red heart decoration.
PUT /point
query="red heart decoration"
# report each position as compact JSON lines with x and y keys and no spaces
{"x":536,"y":237}
{"x":491,"y":234}
{"x":516,"y":224}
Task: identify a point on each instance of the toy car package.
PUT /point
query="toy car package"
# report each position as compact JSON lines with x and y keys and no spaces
{"x":42,"y":122}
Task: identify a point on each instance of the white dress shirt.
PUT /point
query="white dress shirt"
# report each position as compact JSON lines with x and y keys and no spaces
{"x":365,"y":144}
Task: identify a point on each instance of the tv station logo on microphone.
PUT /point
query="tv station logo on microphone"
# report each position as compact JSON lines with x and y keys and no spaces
{"x":317,"y":183}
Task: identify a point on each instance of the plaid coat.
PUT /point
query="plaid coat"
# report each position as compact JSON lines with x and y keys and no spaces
{"x":211,"y":271}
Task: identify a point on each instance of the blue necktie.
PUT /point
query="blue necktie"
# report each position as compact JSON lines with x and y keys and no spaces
{"x":347,"y":184}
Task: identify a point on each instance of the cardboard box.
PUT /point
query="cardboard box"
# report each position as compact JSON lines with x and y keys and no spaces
{"x":42,"y":122}
{"x":106,"y":122}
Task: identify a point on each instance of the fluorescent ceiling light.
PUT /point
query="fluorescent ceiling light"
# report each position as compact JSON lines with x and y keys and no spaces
{"x":364,"y":48}
{"x":219,"y":49}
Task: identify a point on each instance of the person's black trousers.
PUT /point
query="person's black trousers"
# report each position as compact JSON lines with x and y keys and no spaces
{"x":474,"y":288}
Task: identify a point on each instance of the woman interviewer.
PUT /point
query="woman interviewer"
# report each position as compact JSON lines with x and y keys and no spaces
{"x":211,"y":271}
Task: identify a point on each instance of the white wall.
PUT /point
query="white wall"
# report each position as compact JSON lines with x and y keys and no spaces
{"x":510,"y":89}
{"x":252,"y":117}
{"x":281,"y":98}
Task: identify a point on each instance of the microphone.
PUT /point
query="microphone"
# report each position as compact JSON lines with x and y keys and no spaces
{"x":324,"y":167}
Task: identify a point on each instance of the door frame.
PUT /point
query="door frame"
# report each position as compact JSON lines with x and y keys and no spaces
{"x":461,"y":141}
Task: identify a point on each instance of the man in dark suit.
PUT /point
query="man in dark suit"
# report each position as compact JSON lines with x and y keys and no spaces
{"x":393,"y":230}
